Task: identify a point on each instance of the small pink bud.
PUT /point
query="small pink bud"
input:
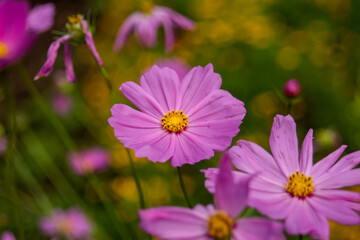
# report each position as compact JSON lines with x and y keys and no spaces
{"x":292,"y":88}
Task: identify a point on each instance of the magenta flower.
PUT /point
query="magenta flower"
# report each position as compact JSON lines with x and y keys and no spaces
{"x":61,"y":104}
{"x":78,"y":31}
{"x":89,"y":161}
{"x":20,"y":26}
{"x":145,"y":26}
{"x":7,"y":236}
{"x":176,"y":64}
{"x":212,"y":222}
{"x":71,"y":224}
{"x":290,"y":187}
{"x":185,"y":121}
{"x":292,"y":88}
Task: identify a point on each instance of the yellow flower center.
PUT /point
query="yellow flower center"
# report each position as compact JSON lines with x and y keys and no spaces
{"x":75,"y":19}
{"x":4,"y":50}
{"x":74,"y":24}
{"x":174,"y":121}
{"x":220,"y":225}
{"x":146,"y":7}
{"x":300,"y":185}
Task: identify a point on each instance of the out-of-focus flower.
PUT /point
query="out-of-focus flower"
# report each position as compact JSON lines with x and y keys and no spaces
{"x":3,"y":145}
{"x":71,"y":224}
{"x":89,"y":161}
{"x":78,"y":31}
{"x":185,"y":121}
{"x":176,"y":64}
{"x":292,"y":88}
{"x":212,"y":222}
{"x":288,"y":186}
{"x":20,"y":26}
{"x":145,"y":26}
{"x":8,"y":236}
{"x":61,"y":104}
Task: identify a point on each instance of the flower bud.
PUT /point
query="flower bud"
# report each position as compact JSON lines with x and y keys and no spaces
{"x":292,"y":88}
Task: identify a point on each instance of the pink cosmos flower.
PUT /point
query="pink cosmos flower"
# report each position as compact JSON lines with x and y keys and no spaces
{"x":212,"y":222}
{"x":78,"y":31}
{"x":7,"y":236}
{"x":89,"y":161}
{"x":71,"y":224}
{"x":145,"y":26}
{"x":20,"y":26}
{"x":185,"y":121}
{"x":61,"y":104}
{"x":290,"y":187}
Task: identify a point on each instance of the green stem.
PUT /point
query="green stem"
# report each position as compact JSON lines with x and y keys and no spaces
{"x":46,"y":109}
{"x":289,"y":107}
{"x":108,"y":83}
{"x":301,"y":237}
{"x":10,"y":155}
{"x":137,"y":181}
{"x":182,"y":184}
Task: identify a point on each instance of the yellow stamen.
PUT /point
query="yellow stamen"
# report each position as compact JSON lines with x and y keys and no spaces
{"x":4,"y":50}
{"x":219,"y":225}
{"x":146,"y":6}
{"x":300,"y":185}
{"x":174,"y":121}
{"x":75,"y":19}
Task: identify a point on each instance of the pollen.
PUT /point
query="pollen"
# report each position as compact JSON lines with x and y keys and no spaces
{"x":219,"y":226}
{"x":3,"y":50}
{"x":300,"y":185}
{"x":174,"y":121}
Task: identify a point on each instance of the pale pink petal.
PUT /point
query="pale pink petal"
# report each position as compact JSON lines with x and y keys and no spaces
{"x":180,"y":20}
{"x":338,"y":194}
{"x":70,"y":75}
{"x":230,"y":196}
{"x":169,"y":34}
{"x":346,"y":163}
{"x":216,"y":119}
{"x":325,"y":164}
{"x":322,"y":229}
{"x":163,"y":85}
{"x":257,"y":229}
{"x":299,"y":220}
{"x":284,"y":144}
{"x":173,"y":223}
{"x":41,"y":18}
{"x":51,"y":56}
{"x":190,"y":149}
{"x":211,"y":175}
{"x":125,"y":31}
{"x":141,"y":132}
{"x":197,"y":84}
{"x":339,"y":180}
{"x":90,"y":42}
{"x":335,"y":211}
{"x":143,"y":100}
{"x":146,"y":30}
{"x":306,"y":154}
{"x":251,"y":158}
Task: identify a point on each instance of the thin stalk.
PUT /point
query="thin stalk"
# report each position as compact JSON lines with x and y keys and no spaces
{"x":289,"y":106}
{"x":10,"y":156}
{"x":301,"y":237}
{"x":137,"y":181}
{"x":182,"y":184}
{"x":108,"y":83}
{"x":46,"y":109}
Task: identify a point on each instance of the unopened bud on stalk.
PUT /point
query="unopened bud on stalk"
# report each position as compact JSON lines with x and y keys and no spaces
{"x":292,"y":88}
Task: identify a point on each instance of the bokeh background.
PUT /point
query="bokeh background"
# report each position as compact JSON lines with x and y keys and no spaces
{"x":256,"y":46}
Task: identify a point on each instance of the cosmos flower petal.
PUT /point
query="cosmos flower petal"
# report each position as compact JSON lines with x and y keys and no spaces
{"x":306,"y":154}
{"x":180,"y":20}
{"x":346,"y":163}
{"x":146,"y":31}
{"x":142,"y":99}
{"x":125,"y":31}
{"x":41,"y":18}
{"x":197,"y":84}
{"x":339,"y":180}
{"x":169,"y":34}
{"x":70,"y":74}
{"x":257,"y":229}
{"x":299,"y":219}
{"x":17,"y":12}
{"x":326,"y":163}
{"x":190,"y":149}
{"x":173,"y":223}
{"x":284,"y":144}
{"x":51,"y":56}
{"x":250,"y":157}
{"x":211,"y":175}
{"x":335,"y":211}
{"x":338,"y":194}
{"x":229,"y":196}
{"x":162,"y":84}
{"x":90,"y":42}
